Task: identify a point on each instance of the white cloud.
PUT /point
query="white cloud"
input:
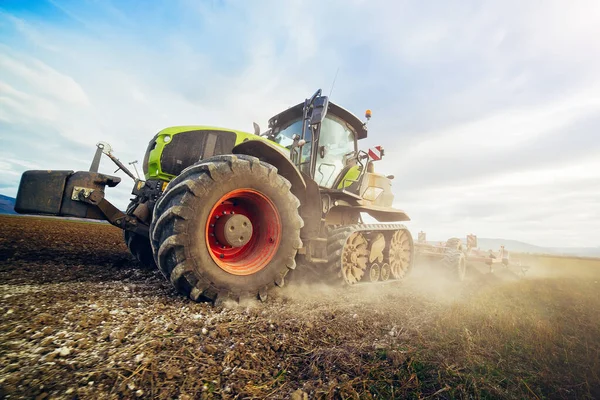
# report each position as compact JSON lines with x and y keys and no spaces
{"x":21,"y":107}
{"x":503,"y":132}
{"x":40,"y":78}
{"x":548,"y":206}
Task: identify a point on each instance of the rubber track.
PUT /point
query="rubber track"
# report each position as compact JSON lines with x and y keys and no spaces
{"x":335,"y":245}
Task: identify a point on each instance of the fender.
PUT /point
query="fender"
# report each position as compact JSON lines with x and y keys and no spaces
{"x":384,"y":214}
{"x":381,"y":214}
{"x":270,"y":153}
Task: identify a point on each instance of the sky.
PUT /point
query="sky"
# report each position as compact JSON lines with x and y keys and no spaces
{"x":489,"y":112}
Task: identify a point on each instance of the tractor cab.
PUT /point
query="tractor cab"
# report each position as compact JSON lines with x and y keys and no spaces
{"x":321,"y":137}
{"x":322,"y":141}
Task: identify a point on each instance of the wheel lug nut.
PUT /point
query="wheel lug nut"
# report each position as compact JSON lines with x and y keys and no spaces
{"x":212,"y":225}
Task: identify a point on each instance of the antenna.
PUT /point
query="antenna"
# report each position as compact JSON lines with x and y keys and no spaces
{"x":333,"y":83}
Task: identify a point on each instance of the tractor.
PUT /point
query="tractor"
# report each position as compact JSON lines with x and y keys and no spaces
{"x":226,"y":214}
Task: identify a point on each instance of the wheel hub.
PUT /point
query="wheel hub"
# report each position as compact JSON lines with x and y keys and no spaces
{"x":234,"y":230}
{"x":243,"y":231}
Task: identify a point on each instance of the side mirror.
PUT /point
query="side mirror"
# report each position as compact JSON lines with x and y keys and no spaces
{"x":256,"y":129}
{"x":319,"y":110}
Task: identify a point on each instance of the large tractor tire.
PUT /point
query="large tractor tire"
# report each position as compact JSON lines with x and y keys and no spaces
{"x":226,"y":228}
{"x":455,"y":264}
{"x":454,"y":244}
{"x":138,"y":245}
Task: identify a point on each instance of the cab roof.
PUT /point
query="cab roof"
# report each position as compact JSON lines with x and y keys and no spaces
{"x":295,"y":112}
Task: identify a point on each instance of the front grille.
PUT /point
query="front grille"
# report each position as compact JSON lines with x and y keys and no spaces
{"x":187,"y":148}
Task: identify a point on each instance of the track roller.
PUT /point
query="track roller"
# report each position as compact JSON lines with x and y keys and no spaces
{"x":385,"y":272}
{"x":374,"y":272}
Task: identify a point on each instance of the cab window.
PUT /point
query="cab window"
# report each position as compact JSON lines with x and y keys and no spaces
{"x":336,"y":143}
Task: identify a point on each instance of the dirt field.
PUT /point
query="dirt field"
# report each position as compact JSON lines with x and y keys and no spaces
{"x":78,"y":319}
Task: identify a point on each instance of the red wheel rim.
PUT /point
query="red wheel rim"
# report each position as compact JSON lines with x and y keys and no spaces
{"x":266,"y":232}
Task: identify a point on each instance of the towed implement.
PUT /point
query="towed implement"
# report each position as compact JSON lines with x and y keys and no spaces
{"x":457,"y":258}
{"x":227,"y":214}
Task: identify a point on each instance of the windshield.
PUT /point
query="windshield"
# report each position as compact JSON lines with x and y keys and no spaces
{"x":336,"y":143}
{"x":284,"y":136}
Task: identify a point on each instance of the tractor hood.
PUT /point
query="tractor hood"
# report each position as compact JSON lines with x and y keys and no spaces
{"x":295,"y":112}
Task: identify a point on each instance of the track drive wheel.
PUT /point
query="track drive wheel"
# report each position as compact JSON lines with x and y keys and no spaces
{"x":355,"y":256}
{"x":400,"y":254}
{"x":455,"y":264}
{"x":227,"y":227}
{"x":348,"y":255}
{"x":138,"y":245}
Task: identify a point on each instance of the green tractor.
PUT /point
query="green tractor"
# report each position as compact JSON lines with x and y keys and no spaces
{"x":226,"y":214}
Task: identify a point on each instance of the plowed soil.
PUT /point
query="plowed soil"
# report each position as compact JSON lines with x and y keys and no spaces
{"x":79,"y":319}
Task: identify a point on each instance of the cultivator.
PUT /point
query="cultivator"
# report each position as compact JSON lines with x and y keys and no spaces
{"x":457,"y":257}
